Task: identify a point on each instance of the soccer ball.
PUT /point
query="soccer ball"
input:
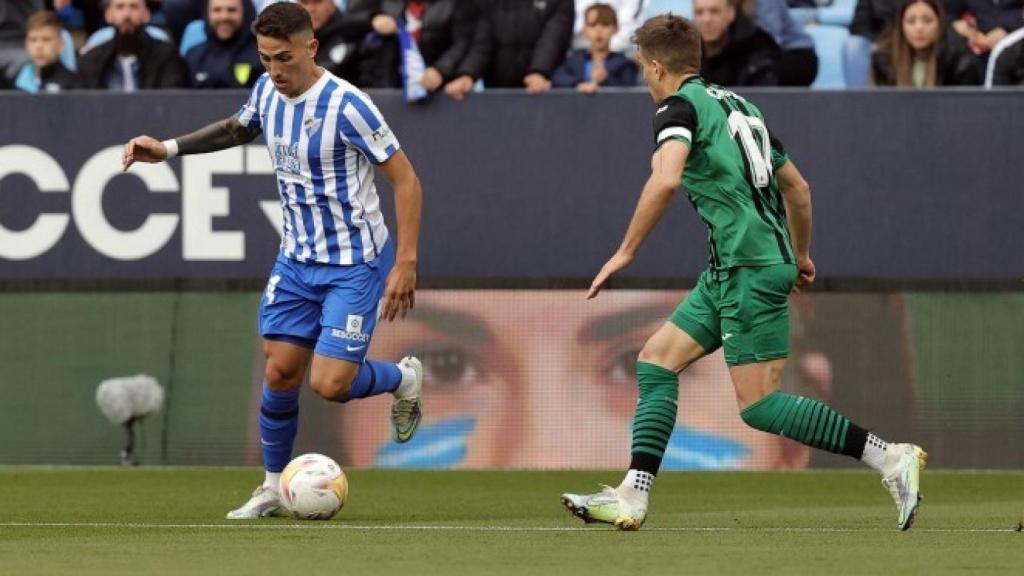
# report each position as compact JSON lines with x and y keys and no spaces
{"x":313,"y":487}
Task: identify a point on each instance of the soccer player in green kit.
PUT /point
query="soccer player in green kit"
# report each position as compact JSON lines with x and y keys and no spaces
{"x":757,"y":208}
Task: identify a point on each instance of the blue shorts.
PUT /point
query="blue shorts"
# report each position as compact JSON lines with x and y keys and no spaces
{"x":331,"y":309}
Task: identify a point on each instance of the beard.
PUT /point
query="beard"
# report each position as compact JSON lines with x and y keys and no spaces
{"x":128,"y":42}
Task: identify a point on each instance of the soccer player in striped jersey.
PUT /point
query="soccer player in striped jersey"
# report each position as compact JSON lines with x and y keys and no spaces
{"x":757,"y":208}
{"x":337,"y":258}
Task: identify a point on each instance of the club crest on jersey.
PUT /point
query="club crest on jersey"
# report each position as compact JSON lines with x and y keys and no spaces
{"x":286,"y":158}
{"x":312,"y":124}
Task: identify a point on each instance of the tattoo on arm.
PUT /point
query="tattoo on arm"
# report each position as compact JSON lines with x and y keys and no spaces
{"x":220,"y":135}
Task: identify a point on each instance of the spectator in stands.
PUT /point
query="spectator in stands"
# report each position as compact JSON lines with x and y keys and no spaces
{"x":735,"y":51}
{"x":14,"y":15}
{"x":983,"y":23}
{"x":93,"y":11}
{"x":228,"y":58}
{"x":630,"y":15}
{"x":919,"y":52}
{"x":443,"y":30}
{"x":872,"y":17}
{"x":43,"y":42}
{"x":132,"y":59}
{"x":518,"y":44}
{"x":798,"y":62}
{"x":589,"y":69}
{"x":341,"y":33}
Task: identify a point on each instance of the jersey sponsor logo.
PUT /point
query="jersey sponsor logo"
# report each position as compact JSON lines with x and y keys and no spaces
{"x":726,"y":336}
{"x":381,"y":134}
{"x":349,"y":335}
{"x":662,"y":109}
{"x":286,"y":158}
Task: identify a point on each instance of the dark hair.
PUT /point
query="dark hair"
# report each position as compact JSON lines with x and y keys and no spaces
{"x":672,"y":40}
{"x":282,"y":20}
{"x":605,"y":14}
{"x":895,"y":47}
{"x":43,"y":19}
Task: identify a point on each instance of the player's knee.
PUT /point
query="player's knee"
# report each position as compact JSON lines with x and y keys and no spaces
{"x":332,"y":386}
{"x":281,"y":378}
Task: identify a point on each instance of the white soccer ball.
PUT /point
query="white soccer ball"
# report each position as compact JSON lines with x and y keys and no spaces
{"x":313,"y":487}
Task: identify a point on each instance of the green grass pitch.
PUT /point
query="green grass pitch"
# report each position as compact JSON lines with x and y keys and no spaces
{"x":170,"y":521}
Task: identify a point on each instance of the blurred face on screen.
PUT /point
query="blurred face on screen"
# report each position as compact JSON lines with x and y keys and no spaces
{"x":921,"y":26}
{"x":713,"y":18}
{"x":43,"y":45}
{"x":127,"y":16}
{"x":225,"y":17}
{"x":543,"y":379}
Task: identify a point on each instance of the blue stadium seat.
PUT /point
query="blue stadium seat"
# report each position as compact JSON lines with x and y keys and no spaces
{"x":839,"y":13}
{"x":829,"y":42}
{"x":803,"y":16}
{"x":67,"y":55}
{"x":195,"y":34}
{"x":107,"y":32}
{"x":682,"y":8}
{"x":857,"y":62}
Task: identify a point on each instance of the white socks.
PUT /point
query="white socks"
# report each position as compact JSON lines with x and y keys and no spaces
{"x":272,"y":480}
{"x":408,"y":383}
{"x":874,"y":453}
{"x":637,"y":485}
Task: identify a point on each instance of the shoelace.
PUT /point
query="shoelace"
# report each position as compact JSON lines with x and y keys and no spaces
{"x":404,"y":410}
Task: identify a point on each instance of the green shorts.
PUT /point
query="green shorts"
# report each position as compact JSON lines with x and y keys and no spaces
{"x":743,"y":309}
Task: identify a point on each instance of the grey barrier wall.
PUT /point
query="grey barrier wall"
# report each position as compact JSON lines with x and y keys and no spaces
{"x":907,"y":185}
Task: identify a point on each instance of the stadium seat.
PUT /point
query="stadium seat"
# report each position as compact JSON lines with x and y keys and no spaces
{"x":682,"y":8}
{"x":67,"y":54}
{"x":803,"y":16}
{"x":839,"y":13}
{"x":857,"y":61}
{"x":828,"y":43}
{"x":195,"y":34}
{"x":107,"y":32}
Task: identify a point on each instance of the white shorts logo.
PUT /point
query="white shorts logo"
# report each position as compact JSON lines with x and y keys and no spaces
{"x":354,"y":323}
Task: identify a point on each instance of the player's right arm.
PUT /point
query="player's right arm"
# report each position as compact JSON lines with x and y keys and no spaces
{"x":220,"y":135}
{"x":675,"y":123}
{"x":796,"y":194}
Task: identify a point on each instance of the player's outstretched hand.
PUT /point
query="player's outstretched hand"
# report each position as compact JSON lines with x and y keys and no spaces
{"x":617,"y":262}
{"x":805,"y":274}
{"x":142,"y":149}
{"x":400,"y":293}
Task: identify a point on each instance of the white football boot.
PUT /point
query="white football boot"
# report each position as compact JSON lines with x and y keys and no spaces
{"x":407,"y":409}
{"x":607,"y":506}
{"x":903,"y":481}
{"x":264,"y":503}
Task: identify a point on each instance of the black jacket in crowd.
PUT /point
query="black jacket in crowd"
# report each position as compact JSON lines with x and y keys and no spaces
{"x":989,"y":14}
{"x":872,"y":17}
{"x":231,"y":63}
{"x":748,"y":59}
{"x":956,"y":65}
{"x":445,"y":39}
{"x":159,"y":64}
{"x":56,"y":78}
{"x":621,"y":70}
{"x":341,"y":36}
{"x":519,"y":37}
{"x":1009,"y":68}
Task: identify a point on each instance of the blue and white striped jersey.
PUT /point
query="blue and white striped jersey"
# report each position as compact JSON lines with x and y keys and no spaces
{"x":323,"y":144}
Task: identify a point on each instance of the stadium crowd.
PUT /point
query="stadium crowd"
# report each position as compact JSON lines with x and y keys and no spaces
{"x":536,"y":45}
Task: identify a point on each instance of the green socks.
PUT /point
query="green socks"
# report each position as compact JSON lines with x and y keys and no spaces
{"x":655,"y":415}
{"x":807,"y":421}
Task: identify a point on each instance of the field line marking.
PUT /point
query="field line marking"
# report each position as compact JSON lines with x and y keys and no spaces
{"x":471,"y":528}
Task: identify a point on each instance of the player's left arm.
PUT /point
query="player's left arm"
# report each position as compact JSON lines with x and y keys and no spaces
{"x":399,"y":294}
{"x":796,"y":194}
{"x":667,"y":167}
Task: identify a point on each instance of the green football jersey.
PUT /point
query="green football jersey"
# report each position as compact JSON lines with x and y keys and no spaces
{"x":730,"y":173}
